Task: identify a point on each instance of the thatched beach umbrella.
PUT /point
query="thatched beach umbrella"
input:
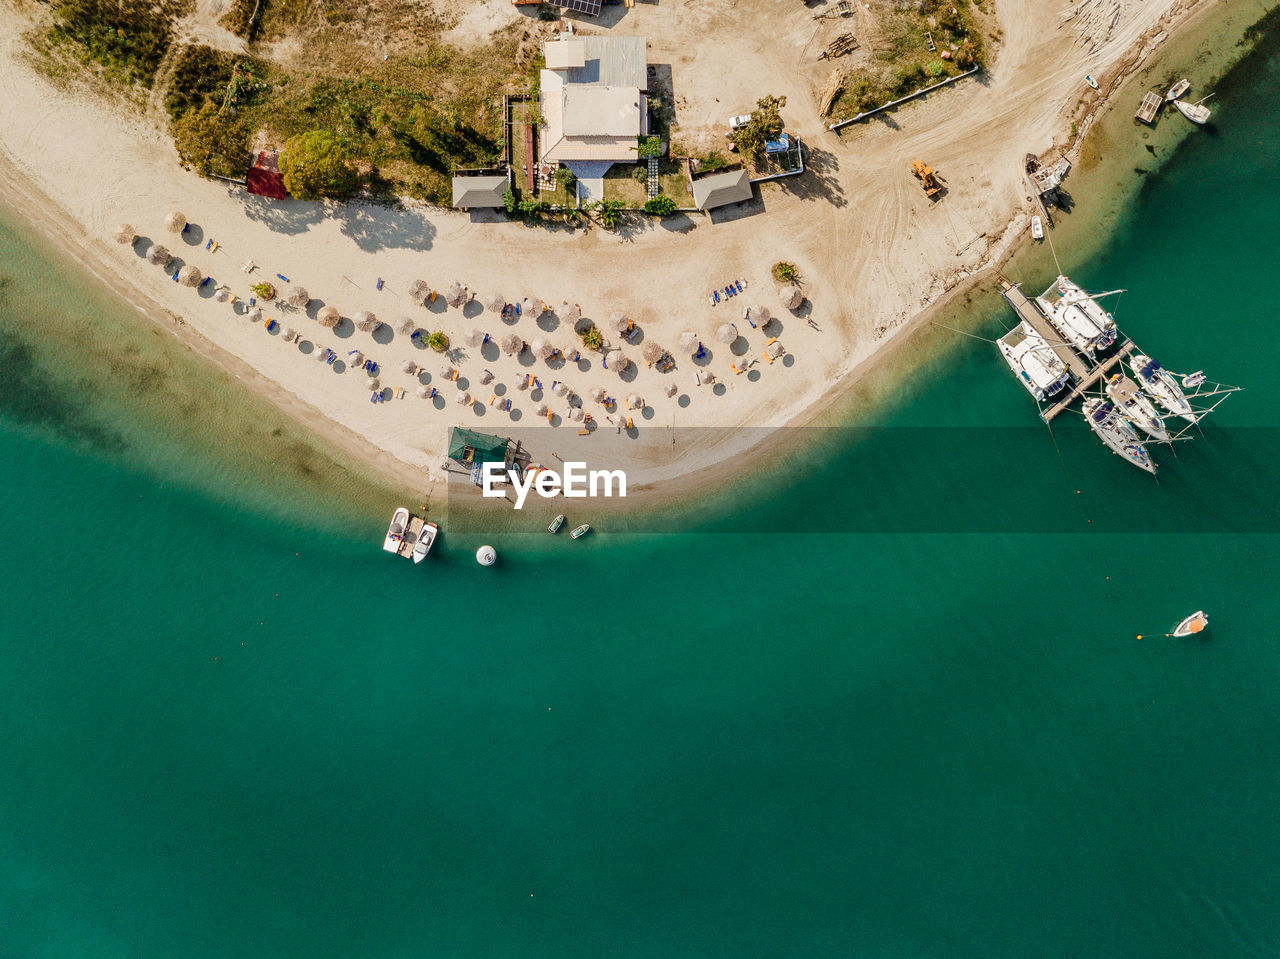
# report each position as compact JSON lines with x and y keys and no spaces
{"x":706,"y":377}
{"x":299,"y":297}
{"x":321,"y":353}
{"x":463,"y":398}
{"x":531,"y":308}
{"x":222,"y":294}
{"x":157,"y":254}
{"x":792,"y":297}
{"x":688,"y":342}
{"x":419,"y":291}
{"x":254,"y":315}
{"x":125,"y":233}
{"x":496,"y":303}
{"x":620,"y":322}
{"x":190,"y":276}
{"x":354,"y":359}
{"x":576,"y":414}
{"x":635,"y":401}
{"x":759,"y":315}
{"x":411,"y":367}
{"x":457,"y":295}
{"x":475,"y":338}
{"x":570,"y":314}
{"x":774,"y":350}
{"x":653,"y":352}
{"x":511,"y":344}
{"x":365,"y":321}
{"x":542,"y":409}
{"x":616,"y":361}
{"x":328,"y":316}
{"x":424,"y":391}
{"x":672,"y":389}
{"x":448,"y":371}
{"x":561,"y":389}
{"x":542,"y":349}
{"x":372,"y":383}
{"x":599,"y":394}
{"x":727,"y":333}
{"x":408,"y":326}
{"x":290,"y":334}
{"x":175,"y":222}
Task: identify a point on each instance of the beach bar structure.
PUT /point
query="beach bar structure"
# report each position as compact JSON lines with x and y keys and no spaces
{"x":478,"y":190}
{"x":721,"y":188}
{"x":472,"y":448}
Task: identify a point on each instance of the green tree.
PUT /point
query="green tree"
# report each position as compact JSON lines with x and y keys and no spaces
{"x":533,"y":209}
{"x":610,"y":213}
{"x":565,"y":177}
{"x":785,"y":272}
{"x":765,"y":124}
{"x":314,"y":166}
{"x":438,"y":341}
{"x":211,"y":142}
{"x":509,"y":201}
{"x":592,"y":338}
{"x":649,"y":146}
{"x":264,"y":291}
{"x":660,"y":205}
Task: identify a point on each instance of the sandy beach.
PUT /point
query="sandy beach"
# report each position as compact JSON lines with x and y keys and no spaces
{"x":874,"y":253}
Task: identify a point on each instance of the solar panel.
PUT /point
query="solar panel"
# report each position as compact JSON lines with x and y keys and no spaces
{"x":590,"y":7}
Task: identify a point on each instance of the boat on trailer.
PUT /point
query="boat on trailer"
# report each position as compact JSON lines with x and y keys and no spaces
{"x":1117,"y":433}
{"x":1078,"y":317}
{"x":1161,"y":385}
{"x":1197,"y":622}
{"x":425,"y":540}
{"x":1134,"y":406}
{"x":1178,"y":89}
{"x":395,"y":532}
{"x":1196,"y":112}
{"x":1034,"y":362}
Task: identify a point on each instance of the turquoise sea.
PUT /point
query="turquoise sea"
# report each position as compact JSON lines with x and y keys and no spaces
{"x":833,"y":718}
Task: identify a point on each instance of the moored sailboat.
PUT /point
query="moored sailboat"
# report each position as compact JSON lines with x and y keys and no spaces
{"x":1116,"y":432}
{"x":1134,"y":406}
{"x":1197,"y":112}
{"x":1078,"y":317}
{"x":1161,"y":386}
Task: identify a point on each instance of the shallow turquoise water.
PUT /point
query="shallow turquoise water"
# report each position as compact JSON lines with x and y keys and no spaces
{"x":228,"y":732}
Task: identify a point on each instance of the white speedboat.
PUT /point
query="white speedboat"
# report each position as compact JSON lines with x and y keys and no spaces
{"x":425,"y":538}
{"x":1134,"y":406}
{"x":395,"y":532}
{"x":1037,"y":228}
{"x":1115,"y":431}
{"x":1161,"y":386}
{"x":1197,"y":113}
{"x":1078,"y":317}
{"x":1034,"y":362}
{"x":1197,"y":622}
{"x":1177,"y":90}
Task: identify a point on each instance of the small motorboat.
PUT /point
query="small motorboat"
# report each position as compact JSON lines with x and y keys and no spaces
{"x":425,"y":540}
{"x":1091,"y":81}
{"x":1197,"y":622}
{"x":581,"y":531}
{"x":556,"y":524}
{"x":395,"y":532}
{"x":1197,"y":112}
{"x":1177,"y":90}
{"x":1037,"y":228}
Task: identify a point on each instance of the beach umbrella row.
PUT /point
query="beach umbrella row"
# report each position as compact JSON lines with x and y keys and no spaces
{"x":511,"y":344}
{"x":570,"y":314}
{"x":408,"y":326}
{"x":299,"y":297}
{"x":561,"y":389}
{"x":328,"y":317}
{"x":496,"y":303}
{"x":475,"y":338}
{"x":792,"y":297}
{"x":175,"y":222}
{"x":616,"y":360}
{"x":652,"y":352}
{"x":688,"y":342}
{"x":365,"y":321}
{"x":190,"y":276}
{"x":157,"y":254}
{"x":457,"y":295}
{"x":759,"y":315}
{"x":125,"y":233}
{"x":419,"y":291}
{"x":620,"y":322}
{"x":727,"y":333}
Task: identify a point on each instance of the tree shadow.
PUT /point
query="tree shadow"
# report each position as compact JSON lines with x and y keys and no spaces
{"x":376,"y":227}
{"x":288,"y":217}
{"x":820,"y":181}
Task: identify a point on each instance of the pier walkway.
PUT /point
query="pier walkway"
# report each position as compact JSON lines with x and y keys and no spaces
{"x":1084,"y":373}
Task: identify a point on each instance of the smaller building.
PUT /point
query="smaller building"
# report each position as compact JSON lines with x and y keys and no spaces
{"x":485,"y":191}
{"x":721,"y":189}
{"x":264,"y":177}
{"x":472,"y":448}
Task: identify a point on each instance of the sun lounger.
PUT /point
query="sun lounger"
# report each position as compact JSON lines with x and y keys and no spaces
{"x":283,"y":277}
{"x":739,"y":284}
{"x":248,"y":266}
{"x":767,"y":358}
{"x":379,"y":282}
{"x":271,"y":326}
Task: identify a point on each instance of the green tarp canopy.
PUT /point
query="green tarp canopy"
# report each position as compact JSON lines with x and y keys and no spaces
{"x":468,"y":446}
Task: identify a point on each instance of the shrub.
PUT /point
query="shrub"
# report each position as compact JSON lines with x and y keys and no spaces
{"x":314,"y":166}
{"x":785,"y":272}
{"x":610,"y":213}
{"x":640,"y":174}
{"x":211,"y":142}
{"x":660,"y":205}
{"x":649,"y":146}
{"x":565,"y":177}
{"x":592,"y":338}
{"x":126,"y":37}
{"x":264,"y":291}
{"x":765,"y":124}
{"x":438,"y":341}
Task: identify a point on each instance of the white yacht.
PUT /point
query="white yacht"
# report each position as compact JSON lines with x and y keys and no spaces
{"x":1162,"y":386}
{"x":395,"y":532}
{"x":1115,"y":431}
{"x":1196,"y":112}
{"x":1034,"y":362}
{"x":1134,"y":406}
{"x":1078,"y":317}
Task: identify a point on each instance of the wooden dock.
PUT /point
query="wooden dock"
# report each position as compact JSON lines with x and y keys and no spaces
{"x":1151,"y":104}
{"x":410,"y":538}
{"x":1083,"y":372}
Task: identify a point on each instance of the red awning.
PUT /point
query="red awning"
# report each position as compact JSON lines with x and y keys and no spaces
{"x":265,"y":178}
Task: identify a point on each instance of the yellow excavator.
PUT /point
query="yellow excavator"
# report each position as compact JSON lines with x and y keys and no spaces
{"x":928,"y":178}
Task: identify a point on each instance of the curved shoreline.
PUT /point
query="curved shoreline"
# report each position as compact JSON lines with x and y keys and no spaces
{"x":42,"y":211}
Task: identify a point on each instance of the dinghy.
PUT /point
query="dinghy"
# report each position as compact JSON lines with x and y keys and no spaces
{"x":1197,"y":622}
